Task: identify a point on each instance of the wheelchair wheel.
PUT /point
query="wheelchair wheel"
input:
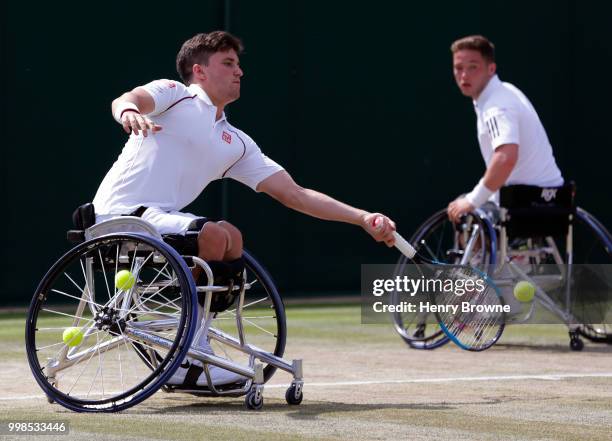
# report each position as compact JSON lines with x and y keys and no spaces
{"x":89,"y":331}
{"x":592,"y":241}
{"x":593,"y":245}
{"x":263,"y":317}
{"x":441,"y":240}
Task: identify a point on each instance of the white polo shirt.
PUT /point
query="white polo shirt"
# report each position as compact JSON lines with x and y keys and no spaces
{"x":170,"y":168}
{"x":505,"y":116}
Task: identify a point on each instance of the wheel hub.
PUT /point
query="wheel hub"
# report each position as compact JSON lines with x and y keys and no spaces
{"x":107,"y":319}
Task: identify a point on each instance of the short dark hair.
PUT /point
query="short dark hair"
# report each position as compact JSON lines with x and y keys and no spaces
{"x":476,"y":43}
{"x":199,"y":48}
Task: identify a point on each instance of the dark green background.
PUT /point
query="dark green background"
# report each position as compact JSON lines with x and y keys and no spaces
{"x":354,"y":99}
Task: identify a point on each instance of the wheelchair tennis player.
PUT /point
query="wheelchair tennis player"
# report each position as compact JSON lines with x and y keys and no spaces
{"x":180,"y":141}
{"x":512,"y":140}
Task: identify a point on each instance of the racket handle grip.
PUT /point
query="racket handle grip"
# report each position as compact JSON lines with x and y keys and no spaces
{"x":402,"y":244}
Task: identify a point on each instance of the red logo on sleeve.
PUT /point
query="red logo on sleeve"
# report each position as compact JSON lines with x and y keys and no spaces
{"x":170,"y":84}
{"x":227,"y":137}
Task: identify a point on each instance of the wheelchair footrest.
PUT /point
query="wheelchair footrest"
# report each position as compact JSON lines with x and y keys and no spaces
{"x":238,"y":388}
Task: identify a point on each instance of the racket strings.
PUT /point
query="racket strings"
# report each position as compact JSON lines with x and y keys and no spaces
{"x":473,"y":317}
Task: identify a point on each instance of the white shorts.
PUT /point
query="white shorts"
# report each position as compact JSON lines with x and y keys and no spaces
{"x":173,"y":222}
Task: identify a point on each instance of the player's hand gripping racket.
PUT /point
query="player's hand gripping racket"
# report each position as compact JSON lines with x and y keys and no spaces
{"x":470,"y":307}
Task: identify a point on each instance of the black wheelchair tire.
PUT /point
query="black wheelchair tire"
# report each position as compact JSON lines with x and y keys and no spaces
{"x":158,"y":377}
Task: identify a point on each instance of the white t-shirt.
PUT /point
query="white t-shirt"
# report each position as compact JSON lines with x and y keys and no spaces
{"x":505,"y":116}
{"x":170,"y":168}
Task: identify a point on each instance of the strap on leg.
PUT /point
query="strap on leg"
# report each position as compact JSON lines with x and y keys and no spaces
{"x":193,"y":373}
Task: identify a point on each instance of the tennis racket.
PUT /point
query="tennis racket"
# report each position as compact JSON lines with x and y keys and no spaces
{"x":472,"y":312}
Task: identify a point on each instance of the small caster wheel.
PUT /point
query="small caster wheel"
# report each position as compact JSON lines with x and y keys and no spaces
{"x":576,"y":344}
{"x":253,"y":401}
{"x":294,"y":394}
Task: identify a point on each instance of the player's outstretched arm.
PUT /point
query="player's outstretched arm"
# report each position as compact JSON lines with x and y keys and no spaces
{"x":130,"y":110}
{"x":283,"y":188}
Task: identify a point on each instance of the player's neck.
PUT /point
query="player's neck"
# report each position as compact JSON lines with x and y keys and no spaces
{"x":219,"y":112}
{"x":484,"y":87}
{"x":219,"y":104}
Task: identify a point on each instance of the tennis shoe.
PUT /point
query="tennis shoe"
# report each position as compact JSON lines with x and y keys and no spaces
{"x":219,"y":376}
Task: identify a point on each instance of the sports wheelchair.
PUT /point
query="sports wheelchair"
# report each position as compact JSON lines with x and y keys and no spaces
{"x":130,"y":335}
{"x":531,"y":227}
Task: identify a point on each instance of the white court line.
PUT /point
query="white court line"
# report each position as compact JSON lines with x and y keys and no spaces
{"x":451,"y":380}
{"x":552,"y":377}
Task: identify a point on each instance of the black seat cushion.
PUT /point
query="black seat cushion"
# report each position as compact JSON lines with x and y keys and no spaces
{"x":84,"y":216}
{"x":538,"y":211}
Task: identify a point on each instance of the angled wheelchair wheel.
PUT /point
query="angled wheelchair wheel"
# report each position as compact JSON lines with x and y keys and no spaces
{"x":592,"y":241}
{"x":97,"y":315}
{"x":472,"y":242}
{"x":263,"y":321}
{"x":592,"y":244}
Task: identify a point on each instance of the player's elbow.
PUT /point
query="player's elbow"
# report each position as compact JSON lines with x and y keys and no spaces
{"x":292,"y":197}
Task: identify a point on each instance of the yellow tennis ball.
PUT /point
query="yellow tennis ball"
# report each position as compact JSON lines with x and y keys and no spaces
{"x":124,"y":280}
{"x":524,"y":291}
{"x":72,"y":336}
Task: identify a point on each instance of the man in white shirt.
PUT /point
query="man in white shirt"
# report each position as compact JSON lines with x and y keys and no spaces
{"x":512,"y":140}
{"x":180,"y":141}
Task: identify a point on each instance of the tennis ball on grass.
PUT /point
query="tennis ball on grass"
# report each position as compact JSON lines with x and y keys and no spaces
{"x":72,"y":336}
{"x":524,"y":291}
{"x":124,"y":280}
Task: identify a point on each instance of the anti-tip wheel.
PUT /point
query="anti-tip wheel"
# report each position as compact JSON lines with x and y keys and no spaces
{"x":576,"y":344}
{"x":293,"y":395}
{"x":253,"y":401}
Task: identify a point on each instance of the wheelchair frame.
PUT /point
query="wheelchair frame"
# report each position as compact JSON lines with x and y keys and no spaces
{"x":113,"y":318}
{"x":561,"y":280}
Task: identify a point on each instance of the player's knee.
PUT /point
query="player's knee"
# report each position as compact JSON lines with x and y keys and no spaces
{"x":213,"y":237}
{"x":234,"y":235}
